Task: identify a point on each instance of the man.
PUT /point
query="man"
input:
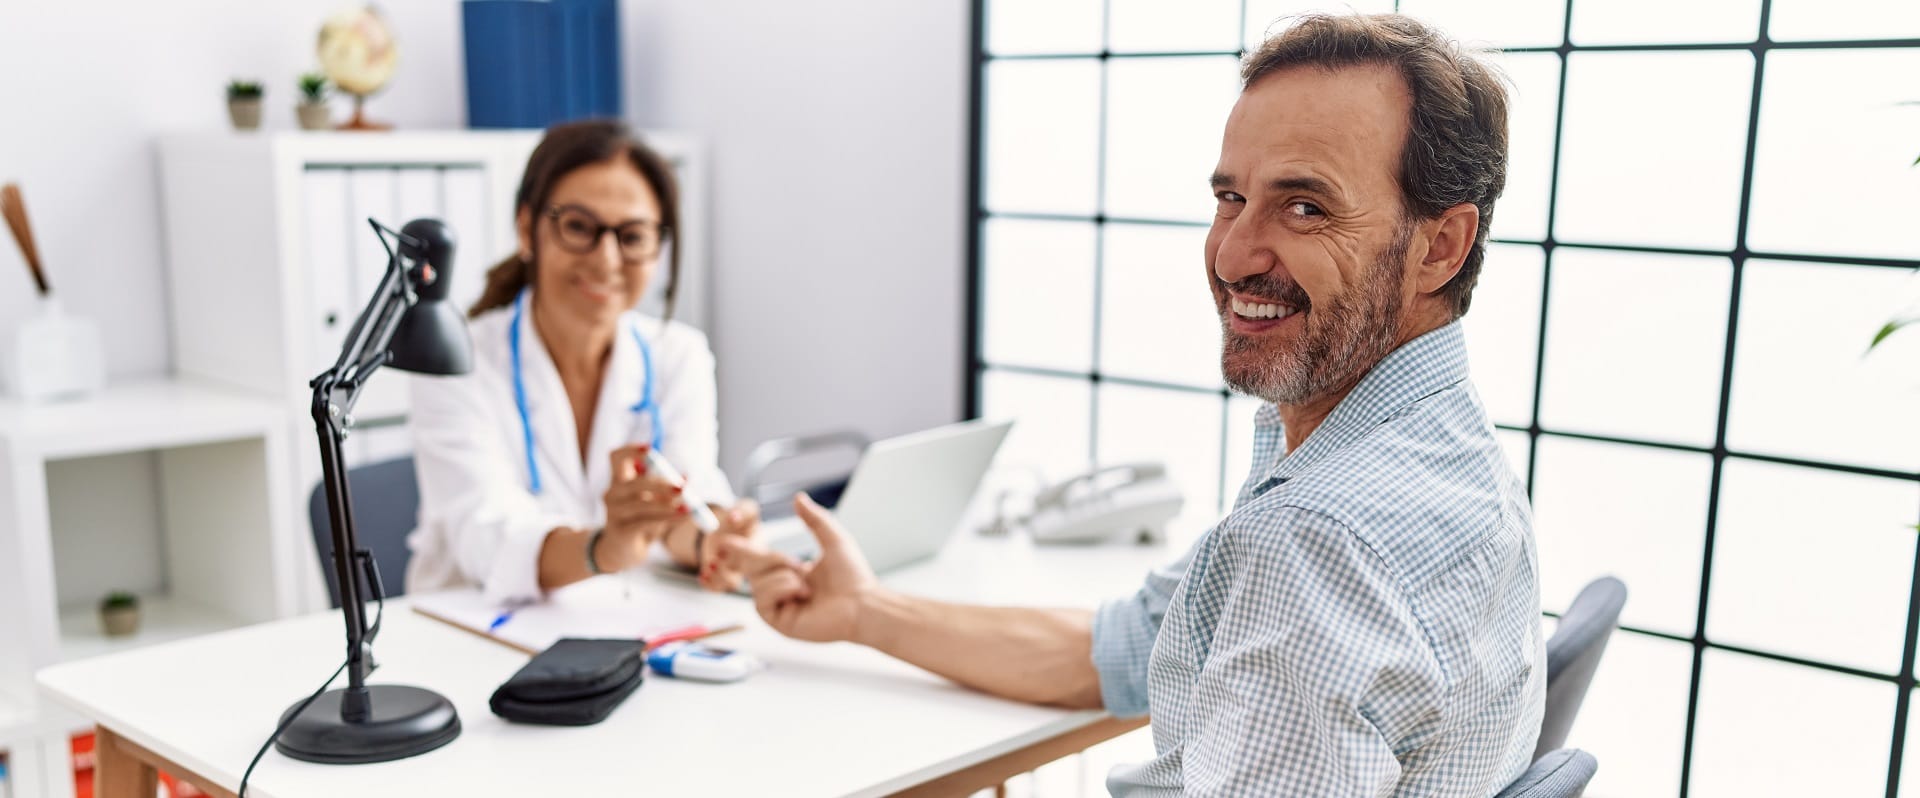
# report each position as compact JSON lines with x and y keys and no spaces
{"x":1366,"y":620}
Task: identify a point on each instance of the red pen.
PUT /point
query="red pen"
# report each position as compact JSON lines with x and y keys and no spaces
{"x":692,"y":632}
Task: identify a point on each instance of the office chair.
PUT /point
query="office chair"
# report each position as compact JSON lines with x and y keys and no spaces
{"x":1559,"y":774}
{"x":386,"y":503}
{"x":775,"y":497}
{"x":1573,"y":653}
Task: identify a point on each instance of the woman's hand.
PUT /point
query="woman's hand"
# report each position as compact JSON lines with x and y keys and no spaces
{"x":642,"y":508}
{"x":739,"y":527}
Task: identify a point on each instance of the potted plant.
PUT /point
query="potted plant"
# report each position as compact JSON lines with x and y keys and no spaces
{"x":243,"y":104}
{"x":313,"y":110}
{"x":120,"y":614}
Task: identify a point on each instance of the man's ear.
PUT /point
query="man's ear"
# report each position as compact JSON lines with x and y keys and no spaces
{"x":1449,"y":239}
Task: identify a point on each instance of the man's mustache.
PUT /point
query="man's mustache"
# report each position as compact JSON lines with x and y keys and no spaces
{"x":1268,"y":286}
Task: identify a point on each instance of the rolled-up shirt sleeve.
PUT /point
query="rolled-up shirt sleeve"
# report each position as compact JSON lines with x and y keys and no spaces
{"x":1123,"y":634}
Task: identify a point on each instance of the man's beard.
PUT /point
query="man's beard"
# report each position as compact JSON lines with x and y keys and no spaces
{"x":1341,"y":340}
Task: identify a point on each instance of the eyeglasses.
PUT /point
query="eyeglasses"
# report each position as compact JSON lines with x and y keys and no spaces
{"x":579,"y":232}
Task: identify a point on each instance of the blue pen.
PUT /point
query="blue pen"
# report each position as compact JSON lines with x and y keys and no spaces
{"x":499,"y":621}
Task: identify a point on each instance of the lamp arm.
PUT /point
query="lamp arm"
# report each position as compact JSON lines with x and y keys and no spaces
{"x":335,"y":391}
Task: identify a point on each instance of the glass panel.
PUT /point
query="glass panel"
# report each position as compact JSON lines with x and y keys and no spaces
{"x":1189,"y":26}
{"x":1534,"y":97}
{"x":1825,"y":20}
{"x":1634,"y":512}
{"x":1519,"y":452}
{"x":1634,"y":719}
{"x":1635,"y":345}
{"x":1770,"y":728}
{"x":1043,"y":130}
{"x":1817,"y":564}
{"x":1240,"y":411}
{"x":1051,"y":436}
{"x":1179,"y":428}
{"x":1658,"y":168}
{"x":1039,"y":293}
{"x":1810,"y":193}
{"x":1270,"y":16}
{"x":1480,"y":23}
{"x":1803,"y":329}
{"x":1157,"y":319}
{"x":1042,"y":26}
{"x":1164,"y":121}
{"x":1503,"y":331}
{"x":1665,"y":22}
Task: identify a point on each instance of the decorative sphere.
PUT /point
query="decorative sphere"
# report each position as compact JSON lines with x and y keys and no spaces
{"x":357,"y":51}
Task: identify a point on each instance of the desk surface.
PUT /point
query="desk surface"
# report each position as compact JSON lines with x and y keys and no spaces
{"x":823,"y":720}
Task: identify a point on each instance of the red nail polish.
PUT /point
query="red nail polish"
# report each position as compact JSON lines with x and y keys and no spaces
{"x":682,"y":509}
{"x":677,"y":489}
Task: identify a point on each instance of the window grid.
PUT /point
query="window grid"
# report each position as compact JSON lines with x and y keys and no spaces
{"x":1739,"y":254}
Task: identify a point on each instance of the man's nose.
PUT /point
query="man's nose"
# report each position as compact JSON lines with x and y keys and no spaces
{"x":1242,"y":254}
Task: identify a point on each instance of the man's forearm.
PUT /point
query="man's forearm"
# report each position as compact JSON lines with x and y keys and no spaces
{"x":1033,"y":655}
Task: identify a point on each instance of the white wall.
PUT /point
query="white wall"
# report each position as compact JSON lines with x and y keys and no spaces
{"x":839,"y":163}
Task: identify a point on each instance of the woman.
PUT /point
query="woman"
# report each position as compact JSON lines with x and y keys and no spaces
{"x":532,"y":467}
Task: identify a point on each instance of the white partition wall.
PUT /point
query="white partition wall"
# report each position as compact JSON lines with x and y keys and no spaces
{"x":1709,"y":212}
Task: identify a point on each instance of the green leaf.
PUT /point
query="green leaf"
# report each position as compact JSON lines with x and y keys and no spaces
{"x":1889,"y":329}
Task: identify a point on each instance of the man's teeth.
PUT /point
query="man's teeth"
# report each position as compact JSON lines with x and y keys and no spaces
{"x":1252,"y":311}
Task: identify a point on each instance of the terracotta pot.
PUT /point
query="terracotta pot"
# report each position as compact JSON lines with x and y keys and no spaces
{"x":119,"y":621}
{"x":315,"y":116}
{"x":245,"y":113}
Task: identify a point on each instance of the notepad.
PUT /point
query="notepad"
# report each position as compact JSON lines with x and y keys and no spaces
{"x":598,"y":607}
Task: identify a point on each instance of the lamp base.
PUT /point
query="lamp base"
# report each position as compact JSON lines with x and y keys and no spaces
{"x":402,"y":722}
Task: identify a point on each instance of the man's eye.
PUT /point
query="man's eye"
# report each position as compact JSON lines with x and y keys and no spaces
{"x":1226,"y":197}
{"x":1304,"y":209}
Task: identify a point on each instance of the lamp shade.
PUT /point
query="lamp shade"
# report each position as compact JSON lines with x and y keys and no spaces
{"x":431,"y":338}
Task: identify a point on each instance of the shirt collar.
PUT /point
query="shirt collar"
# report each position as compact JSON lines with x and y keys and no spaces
{"x":1418,"y":369}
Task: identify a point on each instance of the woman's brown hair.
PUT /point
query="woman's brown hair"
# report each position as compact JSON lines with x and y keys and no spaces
{"x":567,"y":147}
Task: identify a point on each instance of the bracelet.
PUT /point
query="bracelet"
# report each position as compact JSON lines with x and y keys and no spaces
{"x":593,"y":542}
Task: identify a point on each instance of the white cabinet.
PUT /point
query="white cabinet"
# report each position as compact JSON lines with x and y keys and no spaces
{"x":216,"y":527}
{"x":270,"y":256}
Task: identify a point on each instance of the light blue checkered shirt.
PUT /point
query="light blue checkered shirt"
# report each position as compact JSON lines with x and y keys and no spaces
{"x":1365,"y":622}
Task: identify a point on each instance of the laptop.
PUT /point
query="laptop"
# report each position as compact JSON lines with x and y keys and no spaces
{"x":906,"y":496}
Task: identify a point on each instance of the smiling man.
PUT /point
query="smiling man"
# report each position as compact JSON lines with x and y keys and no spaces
{"x":1366,"y":620}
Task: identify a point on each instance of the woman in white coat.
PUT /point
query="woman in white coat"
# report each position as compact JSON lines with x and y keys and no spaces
{"x":531,"y":466}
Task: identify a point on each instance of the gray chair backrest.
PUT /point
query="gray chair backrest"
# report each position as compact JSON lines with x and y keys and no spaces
{"x":386,"y":501}
{"x":1574,"y":652}
{"x":1559,"y":774}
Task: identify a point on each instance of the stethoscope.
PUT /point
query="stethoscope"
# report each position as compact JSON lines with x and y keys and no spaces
{"x":645,"y":405}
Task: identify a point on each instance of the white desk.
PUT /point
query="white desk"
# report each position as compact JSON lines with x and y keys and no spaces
{"x":823,"y":720}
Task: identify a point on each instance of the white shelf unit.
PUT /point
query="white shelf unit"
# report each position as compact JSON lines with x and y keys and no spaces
{"x":227,"y":547}
{"x":270,"y":257}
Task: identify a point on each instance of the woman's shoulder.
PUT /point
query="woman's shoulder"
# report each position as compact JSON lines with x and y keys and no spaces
{"x":672,"y":337}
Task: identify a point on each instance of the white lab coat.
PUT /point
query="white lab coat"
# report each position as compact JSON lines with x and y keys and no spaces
{"x":480,"y":522}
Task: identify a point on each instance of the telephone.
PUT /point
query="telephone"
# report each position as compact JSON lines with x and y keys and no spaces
{"x":1129,"y":500}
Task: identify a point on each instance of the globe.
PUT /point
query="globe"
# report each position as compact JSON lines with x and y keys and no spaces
{"x":358,"y":54}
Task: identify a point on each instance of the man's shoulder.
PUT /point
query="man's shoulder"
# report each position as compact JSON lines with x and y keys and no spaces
{"x":1421,"y":489}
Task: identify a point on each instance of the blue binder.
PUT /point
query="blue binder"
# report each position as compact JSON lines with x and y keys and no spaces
{"x":534,"y":63}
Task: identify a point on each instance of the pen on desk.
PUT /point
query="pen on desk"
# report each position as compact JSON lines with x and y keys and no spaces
{"x":499,"y":621}
{"x":693,"y":632}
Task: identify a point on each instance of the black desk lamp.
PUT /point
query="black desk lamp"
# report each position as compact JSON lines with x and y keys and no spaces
{"x":407,"y":325}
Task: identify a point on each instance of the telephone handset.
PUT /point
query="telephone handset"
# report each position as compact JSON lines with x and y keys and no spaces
{"x":1128,"y":500}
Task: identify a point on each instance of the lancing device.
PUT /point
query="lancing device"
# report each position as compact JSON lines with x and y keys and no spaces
{"x":703,"y":517}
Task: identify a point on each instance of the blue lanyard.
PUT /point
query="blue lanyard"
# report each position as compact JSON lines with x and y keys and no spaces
{"x":645,"y":405}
